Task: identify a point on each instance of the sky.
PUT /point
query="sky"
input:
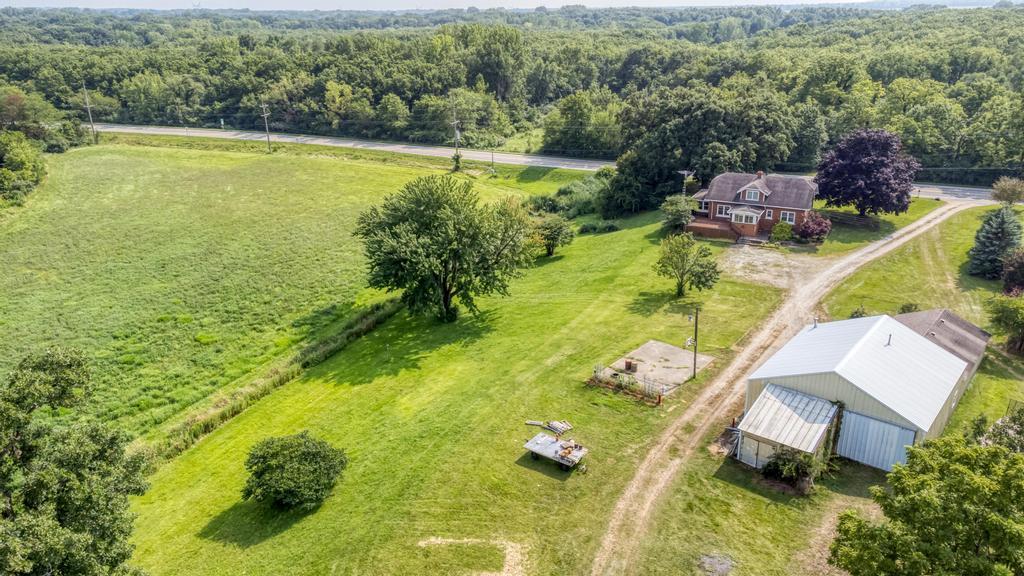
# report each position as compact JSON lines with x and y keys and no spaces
{"x":383,"y":4}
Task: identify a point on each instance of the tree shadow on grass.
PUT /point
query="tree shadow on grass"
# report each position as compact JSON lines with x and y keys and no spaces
{"x":247,"y":523}
{"x":750,"y":480}
{"x":650,"y":303}
{"x":544,"y":466}
{"x":543,"y":260}
{"x":533,"y":174}
{"x":852,"y":479}
{"x":399,"y":345}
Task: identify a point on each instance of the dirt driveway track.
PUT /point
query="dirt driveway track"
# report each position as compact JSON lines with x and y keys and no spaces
{"x":633,"y":511}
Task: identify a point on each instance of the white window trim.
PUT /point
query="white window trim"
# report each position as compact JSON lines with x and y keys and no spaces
{"x":757,"y":194}
{"x":703,"y":206}
{"x":768,"y":214}
{"x":744,"y":219}
{"x":723,"y":211}
{"x":787,"y":216}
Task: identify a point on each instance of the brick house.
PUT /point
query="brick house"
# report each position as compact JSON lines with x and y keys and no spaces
{"x":735,"y":204}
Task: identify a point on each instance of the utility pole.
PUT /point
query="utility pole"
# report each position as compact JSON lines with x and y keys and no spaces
{"x":181,"y":119}
{"x":455,"y":125}
{"x":695,"y":317}
{"x":266,"y":124}
{"x":88,"y":108}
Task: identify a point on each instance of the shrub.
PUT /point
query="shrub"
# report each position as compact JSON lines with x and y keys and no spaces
{"x":576,"y":198}
{"x":21,"y":166}
{"x":908,"y":307}
{"x":678,"y":211}
{"x":1008,"y":190}
{"x":859,"y":312}
{"x":1013,"y":272}
{"x":599,"y":227}
{"x":814,"y":228}
{"x":554,"y":231}
{"x":782,"y":232}
{"x":292,"y":471}
{"x":796,"y":468}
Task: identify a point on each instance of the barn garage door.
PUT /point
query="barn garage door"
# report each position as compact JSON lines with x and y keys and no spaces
{"x":873,"y":442}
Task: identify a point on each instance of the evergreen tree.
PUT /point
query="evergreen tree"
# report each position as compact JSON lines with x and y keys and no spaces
{"x":998,"y":235}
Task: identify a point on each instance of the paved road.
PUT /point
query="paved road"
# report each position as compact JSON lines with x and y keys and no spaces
{"x":435,"y":151}
{"x":926,"y":190}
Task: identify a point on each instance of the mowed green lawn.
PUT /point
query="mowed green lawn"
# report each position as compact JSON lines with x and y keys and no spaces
{"x":845,"y":237}
{"x":931,"y":272}
{"x":180,"y":271}
{"x":433,"y":418}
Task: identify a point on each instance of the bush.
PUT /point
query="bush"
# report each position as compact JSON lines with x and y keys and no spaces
{"x":782,"y":232}
{"x":553,"y":231}
{"x":908,"y":307}
{"x":576,"y":198}
{"x":599,"y":227}
{"x":793,"y":467}
{"x":21,"y":166}
{"x":814,"y":228}
{"x":1013,"y":272}
{"x":678,"y":211}
{"x":859,"y":312}
{"x":293,"y":471}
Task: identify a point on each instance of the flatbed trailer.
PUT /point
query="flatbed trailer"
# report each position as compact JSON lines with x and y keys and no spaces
{"x":567,"y":453}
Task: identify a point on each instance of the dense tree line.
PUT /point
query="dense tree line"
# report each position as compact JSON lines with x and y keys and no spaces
{"x":742,"y":88}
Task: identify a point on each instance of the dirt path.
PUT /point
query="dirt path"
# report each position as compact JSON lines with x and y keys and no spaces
{"x":633,"y":511}
{"x":814,"y":558}
{"x":515,"y":554}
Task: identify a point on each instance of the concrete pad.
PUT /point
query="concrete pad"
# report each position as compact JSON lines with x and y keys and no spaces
{"x":660,"y":364}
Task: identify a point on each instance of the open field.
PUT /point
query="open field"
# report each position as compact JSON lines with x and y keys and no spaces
{"x":432,"y":416}
{"x":931,"y":272}
{"x":179,"y":271}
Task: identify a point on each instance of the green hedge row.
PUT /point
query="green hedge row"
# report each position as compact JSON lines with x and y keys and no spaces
{"x":186,"y":434}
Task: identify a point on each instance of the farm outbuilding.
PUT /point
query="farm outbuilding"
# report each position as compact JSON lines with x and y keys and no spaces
{"x":884,"y":382}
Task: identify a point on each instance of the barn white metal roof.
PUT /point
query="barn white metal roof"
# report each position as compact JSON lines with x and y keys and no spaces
{"x":789,"y":418}
{"x":892,"y":363}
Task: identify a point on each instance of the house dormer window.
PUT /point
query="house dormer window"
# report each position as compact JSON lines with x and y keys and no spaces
{"x":753,"y":194}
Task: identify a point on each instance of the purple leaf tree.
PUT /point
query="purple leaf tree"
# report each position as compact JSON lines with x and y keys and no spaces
{"x":867,"y":169}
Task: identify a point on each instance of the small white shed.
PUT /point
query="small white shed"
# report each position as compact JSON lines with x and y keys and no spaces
{"x":896,"y":387}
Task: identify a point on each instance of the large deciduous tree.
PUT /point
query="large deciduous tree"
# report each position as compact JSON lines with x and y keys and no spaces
{"x":688,"y":262}
{"x":64,"y":506}
{"x":869,"y":171}
{"x":998,"y":235}
{"x":435,"y":241}
{"x":954,"y":508}
{"x":1006,"y":313}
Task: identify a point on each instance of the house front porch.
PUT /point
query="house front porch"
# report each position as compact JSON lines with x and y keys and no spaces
{"x":711,"y":228}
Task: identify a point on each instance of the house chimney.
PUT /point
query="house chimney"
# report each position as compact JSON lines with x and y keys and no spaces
{"x":760,"y":173}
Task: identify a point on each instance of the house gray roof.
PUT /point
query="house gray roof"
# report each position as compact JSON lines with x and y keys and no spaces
{"x":958,"y":336}
{"x":782,"y":191}
{"x":910,"y":374}
{"x":789,"y":418}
